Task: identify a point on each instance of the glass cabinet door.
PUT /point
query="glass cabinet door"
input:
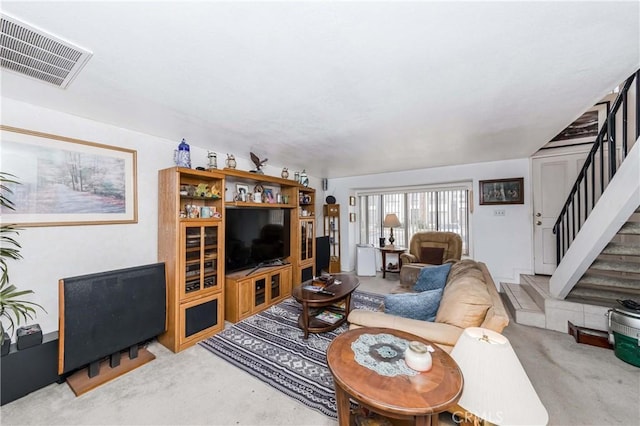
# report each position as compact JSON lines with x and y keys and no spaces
{"x":210,"y":257}
{"x":200,"y":258}
{"x":193,"y":259}
{"x":307,"y":239}
{"x":275,"y":286}
{"x":260,"y":292}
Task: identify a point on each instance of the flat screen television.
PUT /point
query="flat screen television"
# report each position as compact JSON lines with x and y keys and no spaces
{"x":256,"y":236}
{"x":105,"y":313}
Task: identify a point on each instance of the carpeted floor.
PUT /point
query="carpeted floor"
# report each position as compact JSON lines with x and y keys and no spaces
{"x":578,"y":384}
{"x":271,"y":347}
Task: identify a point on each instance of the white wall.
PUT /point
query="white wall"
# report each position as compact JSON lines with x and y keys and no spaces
{"x":504,"y":243}
{"x":52,"y":253}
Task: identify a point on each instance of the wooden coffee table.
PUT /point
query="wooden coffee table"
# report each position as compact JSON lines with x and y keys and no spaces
{"x":310,"y":301}
{"x":419,"y":398}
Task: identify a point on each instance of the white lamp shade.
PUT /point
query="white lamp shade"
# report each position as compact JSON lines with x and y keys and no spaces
{"x":391,"y":221}
{"x":496,"y":387}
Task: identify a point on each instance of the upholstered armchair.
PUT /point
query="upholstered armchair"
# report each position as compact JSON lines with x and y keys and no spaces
{"x":433,"y":247}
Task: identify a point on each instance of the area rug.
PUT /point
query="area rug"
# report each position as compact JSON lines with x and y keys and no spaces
{"x":271,"y":347}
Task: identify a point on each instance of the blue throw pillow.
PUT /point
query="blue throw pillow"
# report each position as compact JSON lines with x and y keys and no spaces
{"x":420,"y":306}
{"x":432,"y":277}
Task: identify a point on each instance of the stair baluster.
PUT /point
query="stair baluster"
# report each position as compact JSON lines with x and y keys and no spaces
{"x":571,"y":217}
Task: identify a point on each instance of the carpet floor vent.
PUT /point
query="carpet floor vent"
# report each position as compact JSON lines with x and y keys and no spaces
{"x":35,"y":53}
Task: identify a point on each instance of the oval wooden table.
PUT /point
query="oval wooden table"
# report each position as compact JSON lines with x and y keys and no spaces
{"x":309,"y":300}
{"x":419,"y":398}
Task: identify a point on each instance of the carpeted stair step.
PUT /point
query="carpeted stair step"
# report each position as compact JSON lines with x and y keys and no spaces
{"x":596,"y":301}
{"x":521,"y":306}
{"x":600,"y":281}
{"x":616,"y":265}
{"x":622,"y":249}
{"x":604,"y":294}
{"x":630,"y":228}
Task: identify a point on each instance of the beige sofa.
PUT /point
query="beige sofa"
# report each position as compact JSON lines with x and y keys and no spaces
{"x":469,"y":299}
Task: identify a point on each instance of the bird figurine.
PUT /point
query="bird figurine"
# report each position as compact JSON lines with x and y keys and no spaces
{"x":259,"y":163}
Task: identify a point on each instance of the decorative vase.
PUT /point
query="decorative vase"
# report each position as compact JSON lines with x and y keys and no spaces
{"x":417,"y":357}
{"x":304,"y":179}
{"x":230,"y":162}
{"x":182,"y":155}
{"x":213,"y":160}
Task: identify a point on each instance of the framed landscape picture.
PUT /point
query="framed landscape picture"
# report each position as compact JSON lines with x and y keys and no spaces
{"x":502,"y":191}
{"x":65,"y":181}
{"x":584,"y":130}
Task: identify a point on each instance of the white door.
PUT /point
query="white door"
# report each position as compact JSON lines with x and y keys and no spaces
{"x":553,"y":178}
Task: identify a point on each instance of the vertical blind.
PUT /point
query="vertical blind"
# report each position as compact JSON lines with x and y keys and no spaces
{"x":423,"y":209}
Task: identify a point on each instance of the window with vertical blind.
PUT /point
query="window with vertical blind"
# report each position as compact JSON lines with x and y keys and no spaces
{"x":424,"y":208}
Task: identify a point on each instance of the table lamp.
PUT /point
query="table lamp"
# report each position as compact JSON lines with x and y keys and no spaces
{"x":496,"y":387}
{"x":391,"y":221}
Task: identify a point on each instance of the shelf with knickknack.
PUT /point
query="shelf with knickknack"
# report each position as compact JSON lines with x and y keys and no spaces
{"x":201,"y":194}
{"x":304,"y":266}
{"x":243,"y":188}
{"x":191,"y":244}
{"x":306,"y":201}
{"x":332,"y":230}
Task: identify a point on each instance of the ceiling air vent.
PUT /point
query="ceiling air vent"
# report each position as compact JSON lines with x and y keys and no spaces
{"x":37,"y":54}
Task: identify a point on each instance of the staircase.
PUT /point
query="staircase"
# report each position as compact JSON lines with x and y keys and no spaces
{"x":615,"y":274}
{"x":598,"y":233}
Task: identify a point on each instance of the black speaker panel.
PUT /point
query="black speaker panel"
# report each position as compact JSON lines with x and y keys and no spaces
{"x":201,"y":317}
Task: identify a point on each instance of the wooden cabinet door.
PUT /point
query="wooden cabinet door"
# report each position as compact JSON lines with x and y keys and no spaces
{"x":244,"y":298}
{"x":285,"y":283}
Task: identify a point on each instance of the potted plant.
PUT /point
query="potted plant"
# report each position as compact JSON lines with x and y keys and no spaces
{"x":12,"y":306}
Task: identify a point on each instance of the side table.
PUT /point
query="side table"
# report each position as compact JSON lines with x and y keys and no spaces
{"x":310,"y":300}
{"x":391,"y":250}
{"x":407,"y":395}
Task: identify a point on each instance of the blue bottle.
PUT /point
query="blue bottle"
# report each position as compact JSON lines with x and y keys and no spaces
{"x":182,"y":155}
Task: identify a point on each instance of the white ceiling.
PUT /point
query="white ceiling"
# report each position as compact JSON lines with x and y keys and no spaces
{"x":340,"y":88}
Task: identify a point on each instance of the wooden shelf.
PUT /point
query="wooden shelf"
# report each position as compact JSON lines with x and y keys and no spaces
{"x":261,"y":205}
{"x":259,"y":177}
{"x":191,"y":249}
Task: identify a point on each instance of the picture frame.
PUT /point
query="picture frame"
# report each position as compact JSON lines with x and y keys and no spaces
{"x":352,"y":200}
{"x":502,"y":191}
{"x":242,"y":192}
{"x":268,"y":196}
{"x":352,"y":217}
{"x":67,"y":181}
{"x":583,"y":130}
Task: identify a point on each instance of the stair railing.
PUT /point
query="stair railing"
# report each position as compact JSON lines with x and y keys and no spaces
{"x":599,"y":167}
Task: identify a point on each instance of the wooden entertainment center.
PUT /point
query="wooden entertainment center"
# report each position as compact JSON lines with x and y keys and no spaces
{"x":191,"y":242}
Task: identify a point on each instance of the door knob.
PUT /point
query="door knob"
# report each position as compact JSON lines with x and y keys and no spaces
{"x":538,"y":222}
{"x":538,"y":214}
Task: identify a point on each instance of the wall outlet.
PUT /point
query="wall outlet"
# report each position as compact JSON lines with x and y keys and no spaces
{"x":499,"y":212}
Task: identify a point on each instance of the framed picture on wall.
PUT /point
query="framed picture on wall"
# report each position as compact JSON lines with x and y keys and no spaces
{"x":502,"y":191}
{"x":584,"y":129}
{"x":65,"y":181}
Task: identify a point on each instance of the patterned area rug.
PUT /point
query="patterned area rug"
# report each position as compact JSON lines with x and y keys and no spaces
{"x":271,"y":347}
